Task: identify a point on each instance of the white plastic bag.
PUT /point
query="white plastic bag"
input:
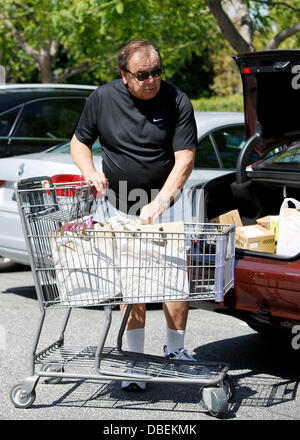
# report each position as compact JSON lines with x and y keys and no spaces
{"x":85,"y":266}
{"x":153,"y":261}
{"x":288,"y":242}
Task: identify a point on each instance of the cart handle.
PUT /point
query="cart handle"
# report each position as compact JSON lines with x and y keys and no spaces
{"x":34,"y":182}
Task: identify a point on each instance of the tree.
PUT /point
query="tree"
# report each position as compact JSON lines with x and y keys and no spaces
{"x":248,"y":26}
{"x":275,"y":21}
{"x":47,"y":30}
{"x":62,"y":38}
{"x":56,"y":40}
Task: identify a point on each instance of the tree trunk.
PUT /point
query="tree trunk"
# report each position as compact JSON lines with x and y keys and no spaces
{"x":245,"y":22}
{"x":227,"y":28}
{"x":45,"y":66}
{"x":282,"y":35}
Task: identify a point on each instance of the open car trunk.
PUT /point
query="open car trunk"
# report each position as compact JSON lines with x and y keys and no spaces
{"x":266,"y":285}
{"x":271,"y":93}
{"x":253,"y":200}
{"x":266,"y":290}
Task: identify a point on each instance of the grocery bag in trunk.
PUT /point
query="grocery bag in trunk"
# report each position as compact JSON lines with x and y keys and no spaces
{"x":84,"y":262}
{"x":288,"y":242}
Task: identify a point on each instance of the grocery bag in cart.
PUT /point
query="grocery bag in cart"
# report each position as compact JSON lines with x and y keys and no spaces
{"x":153,"y":261}
{"x":84,"y":262}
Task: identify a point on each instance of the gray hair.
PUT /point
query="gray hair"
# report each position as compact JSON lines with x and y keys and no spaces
{"x":131,"y":48}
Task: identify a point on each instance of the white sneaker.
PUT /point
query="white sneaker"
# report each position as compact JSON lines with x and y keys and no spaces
{"x":130,"y":385}
{"x":183,"y":355}
{"x":180,"y":354}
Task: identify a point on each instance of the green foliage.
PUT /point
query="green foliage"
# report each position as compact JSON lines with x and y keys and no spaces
{"x":269,"y":18}
{"x":93,"y":31}
{"x":90,"y":33}
{"x":195,"y":76}
{"x":232,"y":103}
{"x":283,"y":16}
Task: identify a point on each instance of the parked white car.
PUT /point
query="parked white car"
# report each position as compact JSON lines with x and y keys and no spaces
{"x":220,"y":139}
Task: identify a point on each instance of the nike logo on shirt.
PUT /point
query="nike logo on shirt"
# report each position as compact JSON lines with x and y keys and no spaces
{"x":156,"y":120}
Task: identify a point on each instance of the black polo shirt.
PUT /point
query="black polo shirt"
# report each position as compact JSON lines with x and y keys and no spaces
{"x":139,"y":137}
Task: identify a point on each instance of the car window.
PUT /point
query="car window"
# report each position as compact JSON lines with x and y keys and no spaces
{"x":97,"y":149}
{"x":205,"y":155}
{"x":286,"y":159}
{"x":7,"y":120}
{"x":230,"y":141}
{"x":50,"y":118}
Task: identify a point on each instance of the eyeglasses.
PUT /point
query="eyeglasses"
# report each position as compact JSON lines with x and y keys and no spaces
{"x":143,"y":75}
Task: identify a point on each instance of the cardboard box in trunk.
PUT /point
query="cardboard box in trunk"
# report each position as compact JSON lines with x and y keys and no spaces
{"x":269,"y":222}
{"x":255,"y":238}
{"x":230,"y":217}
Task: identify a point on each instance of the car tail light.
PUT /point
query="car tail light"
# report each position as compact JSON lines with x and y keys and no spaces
{"x":2,"y":182}
{"x":73,"y":181}
{"x":67,"y":178}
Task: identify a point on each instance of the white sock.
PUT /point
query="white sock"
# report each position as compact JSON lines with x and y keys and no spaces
{"x":175,"y":339}
{"x":135,"y":339}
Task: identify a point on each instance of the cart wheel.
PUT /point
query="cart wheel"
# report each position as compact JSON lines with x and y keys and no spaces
{"x":214,"y":400}
{"x":20,"y":398}
{"x":53,"y":368}
{"x":229,"y":387}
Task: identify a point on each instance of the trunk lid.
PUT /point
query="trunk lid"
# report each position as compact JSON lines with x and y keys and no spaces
{"x":271,"y":90}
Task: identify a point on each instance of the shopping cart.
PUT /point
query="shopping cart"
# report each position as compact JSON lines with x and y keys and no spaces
{"x":80,"y":263}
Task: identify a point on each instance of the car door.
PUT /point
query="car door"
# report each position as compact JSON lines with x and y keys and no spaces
{"x":220,"y":148}
{"x":217,"y":152}
{"x":217,"y":155}
{"x":43,"y":123}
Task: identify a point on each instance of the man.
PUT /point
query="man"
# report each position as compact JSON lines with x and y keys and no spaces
{"x":147,"y":129}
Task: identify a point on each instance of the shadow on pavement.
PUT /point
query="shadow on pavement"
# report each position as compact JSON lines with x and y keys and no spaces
{"x":265,"y":372}
{"x":270,"y":368}
{"x":269,"y":377}
{"x":16,"y":267}
{"x":27,"y":291}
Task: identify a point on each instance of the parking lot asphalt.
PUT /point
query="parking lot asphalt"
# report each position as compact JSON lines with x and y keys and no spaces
{"x":265,"y":372}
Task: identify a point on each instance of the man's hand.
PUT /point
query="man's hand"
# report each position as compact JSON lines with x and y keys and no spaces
{"x":184,"y":162}
{"x":82,"y":156}
{"x":151,"y":212}
{"x":98,"y":179}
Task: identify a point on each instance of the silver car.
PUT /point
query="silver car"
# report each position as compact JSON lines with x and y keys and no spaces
{"x":220,"y":139}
